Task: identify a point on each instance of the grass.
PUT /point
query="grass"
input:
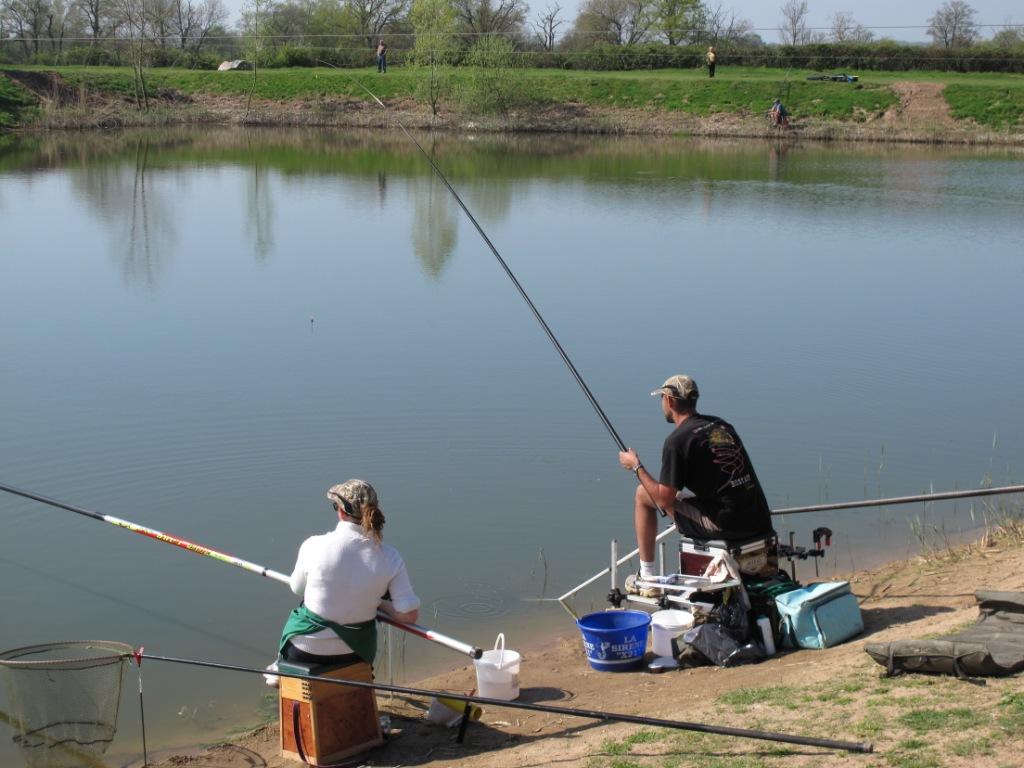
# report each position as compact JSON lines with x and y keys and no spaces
{"x":14,"y":100}
{"x":778,"y":695}
{"x":925,"y":720}
{"x":992,"y":100}
{"x":994,"y":106}
{"x":914,"y":721}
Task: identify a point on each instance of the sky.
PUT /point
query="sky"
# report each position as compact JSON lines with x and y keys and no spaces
{"x":905,"y":20}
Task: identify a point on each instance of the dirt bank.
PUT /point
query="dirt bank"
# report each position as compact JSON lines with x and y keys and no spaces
{"x":922,"y":116}
{"x":835,"y":694}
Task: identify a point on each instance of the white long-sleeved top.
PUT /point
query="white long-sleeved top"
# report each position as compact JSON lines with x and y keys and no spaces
{"x":342,"y":575}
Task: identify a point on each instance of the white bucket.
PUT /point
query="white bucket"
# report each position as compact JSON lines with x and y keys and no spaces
{"x":497,"y":672}
{"x":666,"y":626}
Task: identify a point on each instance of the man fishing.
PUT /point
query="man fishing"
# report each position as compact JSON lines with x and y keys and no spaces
{"x":343,"y":577}
{"x":707,"y":482}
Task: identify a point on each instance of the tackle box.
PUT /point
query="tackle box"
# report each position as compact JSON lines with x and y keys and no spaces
{"x":756,"y":556}
{"x":819,"y":615}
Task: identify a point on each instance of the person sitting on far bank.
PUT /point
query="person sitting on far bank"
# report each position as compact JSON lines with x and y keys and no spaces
{"x":710,"y":58}
{"x":344,"y":577}
{"x":706,"y":483}
{"x":779,"y":115}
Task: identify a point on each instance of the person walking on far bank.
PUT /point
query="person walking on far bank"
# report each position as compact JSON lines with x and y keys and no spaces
{"x":382,"y":57}
{"x":711,"y":60}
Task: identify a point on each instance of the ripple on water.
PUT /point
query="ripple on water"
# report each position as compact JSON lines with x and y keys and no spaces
{"x":473,"y":600}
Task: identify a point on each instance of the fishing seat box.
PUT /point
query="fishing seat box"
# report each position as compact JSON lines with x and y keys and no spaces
{"x":332,"y":721}
{"x":757,"y":556}
{"x":819,"y":615}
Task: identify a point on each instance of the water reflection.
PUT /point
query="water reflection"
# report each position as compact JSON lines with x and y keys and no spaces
{"x":260,"y":213}
{"x":435,"y":225}
{"x":150,"y":234}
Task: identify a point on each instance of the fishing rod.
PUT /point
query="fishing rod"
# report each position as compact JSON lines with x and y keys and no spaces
{"x":590,"y":714}
{"x":199,"y":549}
{"x":894,"y":500}
{"x":891,"y":501}
{"x":508,"y":271}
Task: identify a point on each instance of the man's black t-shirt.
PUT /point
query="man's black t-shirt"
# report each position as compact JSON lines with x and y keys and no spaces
{"x":705,"y":455}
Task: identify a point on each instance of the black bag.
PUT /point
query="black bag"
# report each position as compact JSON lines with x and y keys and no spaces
{"x":762,"y":594}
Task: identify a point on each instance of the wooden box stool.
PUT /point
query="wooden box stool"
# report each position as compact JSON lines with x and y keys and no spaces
{"x":326,"y":722}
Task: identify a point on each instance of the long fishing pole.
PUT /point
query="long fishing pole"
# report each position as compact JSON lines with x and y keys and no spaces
{"x":894,"y":500}
{"x":508,"y":271}
{"x":891,"y":501}
{"x":590,"y":714}
{"x":199,"y":549}
{"x":504,"y":265}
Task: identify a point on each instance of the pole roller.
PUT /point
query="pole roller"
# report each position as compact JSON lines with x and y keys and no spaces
{"x":590,"y":714}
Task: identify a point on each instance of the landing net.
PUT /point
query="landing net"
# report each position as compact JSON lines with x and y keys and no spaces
{"x":63,"y":700}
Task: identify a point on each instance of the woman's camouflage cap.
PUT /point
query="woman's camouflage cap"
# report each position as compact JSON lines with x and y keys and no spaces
{"x":358,"y":493}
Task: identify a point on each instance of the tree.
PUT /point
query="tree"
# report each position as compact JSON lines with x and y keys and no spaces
{"x":717,"y":23}
{"x":487,"y":17}
{"x":62,"y":21}
{"x":493,"y":85}
{"x":793,"y":30}
{"x":434,"y":22}
{"x":1010,"y":36}
{"x":677,"y":20}
{"x":192,"y":21}
{"x":159,"y":18}
{"x":133,"y":13}
{"x":545,"y":26}
{"x":100,"y":18}
{"x":373,"y":16}
{"x":846,"y":29}
{"x":953,"y":25}
{"x":27,"y":21}
{"x":620,"y":22}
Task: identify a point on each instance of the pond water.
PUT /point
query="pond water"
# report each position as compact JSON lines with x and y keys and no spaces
{"x":204,"y":330}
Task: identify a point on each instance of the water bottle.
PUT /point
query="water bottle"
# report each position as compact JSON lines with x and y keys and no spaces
{"x":767,"y":640}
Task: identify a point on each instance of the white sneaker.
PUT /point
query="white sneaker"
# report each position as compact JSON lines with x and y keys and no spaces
{"x":272,"y":680}
{"x":633,"y":588}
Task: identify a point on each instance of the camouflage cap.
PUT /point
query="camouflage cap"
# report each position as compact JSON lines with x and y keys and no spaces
{"x":680,"y":386}
{"x":355,"y":493}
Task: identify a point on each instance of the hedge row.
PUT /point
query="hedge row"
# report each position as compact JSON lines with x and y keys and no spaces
{"x":603,"y":57}
{"x":819,"y":56}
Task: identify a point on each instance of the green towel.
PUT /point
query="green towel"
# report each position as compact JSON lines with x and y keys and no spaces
{"x":361,"y":637}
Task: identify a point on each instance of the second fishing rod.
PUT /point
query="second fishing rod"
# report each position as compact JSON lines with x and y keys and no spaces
{"x":507,"y":270}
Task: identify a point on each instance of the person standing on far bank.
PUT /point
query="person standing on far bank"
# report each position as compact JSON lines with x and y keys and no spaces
{"x":706,"y":481}
{"x":382,"y":57}
{"x":711,"y":60}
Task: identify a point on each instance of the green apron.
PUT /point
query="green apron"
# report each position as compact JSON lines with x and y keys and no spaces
{"x":361,"y":637}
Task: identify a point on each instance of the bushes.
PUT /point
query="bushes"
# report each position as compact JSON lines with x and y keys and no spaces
{"x":882,"y":55}
{"x":94,"y":56}
{"x":296,"y":55}
{"x":492,"y":85}
{"x":179,"y":59}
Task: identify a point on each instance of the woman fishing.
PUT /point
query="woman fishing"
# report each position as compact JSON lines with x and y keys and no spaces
{"x":344,"y":578}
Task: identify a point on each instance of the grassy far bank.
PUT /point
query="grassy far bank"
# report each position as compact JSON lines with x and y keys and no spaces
{"x":992,"y":100}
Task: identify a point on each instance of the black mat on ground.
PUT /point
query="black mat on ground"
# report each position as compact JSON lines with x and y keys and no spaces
{"x":992,"y":647}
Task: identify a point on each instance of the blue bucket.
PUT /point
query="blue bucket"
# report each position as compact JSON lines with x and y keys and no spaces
{"x":615,"y":640}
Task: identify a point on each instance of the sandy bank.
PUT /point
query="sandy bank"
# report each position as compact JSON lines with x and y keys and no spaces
{"x":835,"y":694}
